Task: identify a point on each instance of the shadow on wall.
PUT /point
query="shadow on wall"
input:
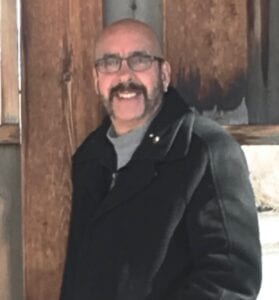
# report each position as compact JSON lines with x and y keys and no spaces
{"x":226,"y":105}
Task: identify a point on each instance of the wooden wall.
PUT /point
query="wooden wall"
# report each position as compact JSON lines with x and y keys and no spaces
{"x":263,"y":67}
{"x":225,"y":61}
{"x":209,"y":44}
{"x":9,"y":73}
{"x":59,"y":109}
{"x":9,"y":94}
{"x":206,"y":43}
{"x":10,"y":206}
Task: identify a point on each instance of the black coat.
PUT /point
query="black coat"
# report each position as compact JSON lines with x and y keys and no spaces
{"x":179,"y":224}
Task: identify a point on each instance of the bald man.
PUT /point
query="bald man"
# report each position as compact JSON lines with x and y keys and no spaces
{"x":162,"y":205}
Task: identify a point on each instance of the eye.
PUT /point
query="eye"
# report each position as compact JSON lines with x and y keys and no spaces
{"x":139,"y":59}
{"x":111,"y":61}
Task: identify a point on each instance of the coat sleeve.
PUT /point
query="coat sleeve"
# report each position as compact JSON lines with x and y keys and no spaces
{"x":222,"y":228}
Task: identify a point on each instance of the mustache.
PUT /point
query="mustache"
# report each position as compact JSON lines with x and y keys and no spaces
{"x":127,"y":87}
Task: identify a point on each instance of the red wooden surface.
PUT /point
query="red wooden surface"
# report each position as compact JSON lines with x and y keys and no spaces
{"x":59,"y":109}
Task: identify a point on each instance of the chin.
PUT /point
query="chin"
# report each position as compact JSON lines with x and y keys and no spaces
{"x":129,"y":118}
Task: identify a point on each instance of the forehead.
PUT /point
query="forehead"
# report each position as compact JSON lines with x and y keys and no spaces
{"x":124,"y":41}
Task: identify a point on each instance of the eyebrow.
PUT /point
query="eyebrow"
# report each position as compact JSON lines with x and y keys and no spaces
{"x":139,"y":53}
{"x":108,"y":55}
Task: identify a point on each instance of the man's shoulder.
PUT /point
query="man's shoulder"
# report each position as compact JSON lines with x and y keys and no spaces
{"x":91,"y":143}
{"x":225,"y":155}
{"x":213,"y":135}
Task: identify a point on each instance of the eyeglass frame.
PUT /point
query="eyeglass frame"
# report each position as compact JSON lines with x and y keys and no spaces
{"x":151,"y":58}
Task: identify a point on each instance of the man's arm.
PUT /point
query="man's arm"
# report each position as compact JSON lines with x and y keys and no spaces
{"x":222,"y":228}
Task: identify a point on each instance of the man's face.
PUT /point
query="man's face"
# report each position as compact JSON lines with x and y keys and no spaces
{"x":130,"y":97}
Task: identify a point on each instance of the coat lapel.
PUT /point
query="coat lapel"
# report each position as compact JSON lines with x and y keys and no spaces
{"x":130,"y":181}
{"x":174,"y":122}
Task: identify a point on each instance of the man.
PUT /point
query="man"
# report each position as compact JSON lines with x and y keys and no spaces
{"x":162,"y":204}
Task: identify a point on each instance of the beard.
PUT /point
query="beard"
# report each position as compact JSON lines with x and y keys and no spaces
{"x":152,"y":101}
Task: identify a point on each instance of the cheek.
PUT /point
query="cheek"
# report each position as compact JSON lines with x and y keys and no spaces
{"x":149,"y":81}
{"x":104,"y":85}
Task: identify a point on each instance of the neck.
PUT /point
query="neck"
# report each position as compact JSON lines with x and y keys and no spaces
{"x":121,"y":127}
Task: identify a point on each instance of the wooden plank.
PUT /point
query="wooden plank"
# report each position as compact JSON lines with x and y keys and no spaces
{"x":59,"y":109}
{"x":255,"y":134}
{"x":263,"y":71}
{"x":9,"y":134}
{"x":9,"y":64}
{"x":206,"y":44}
{"x":257,"y":60}
{"x":273,"y":62}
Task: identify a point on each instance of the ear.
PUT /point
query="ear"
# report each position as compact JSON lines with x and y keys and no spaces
{"x":96,"y":81}
{"x":166,"y":74}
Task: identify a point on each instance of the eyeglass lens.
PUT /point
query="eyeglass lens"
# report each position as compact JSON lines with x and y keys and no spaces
{"x":136,"y":62}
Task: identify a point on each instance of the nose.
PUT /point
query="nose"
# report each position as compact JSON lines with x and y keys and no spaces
{"x":125,"y":73}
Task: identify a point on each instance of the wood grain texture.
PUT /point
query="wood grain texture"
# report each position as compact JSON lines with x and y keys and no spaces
{"x":255,"y":134}
{"x":273,"y":62}
{"x":206,"y":43}
{"x":263,"y":64}
{"x":257,"y":60}
{"x":9,"y":63}
{"x":59,"y":109}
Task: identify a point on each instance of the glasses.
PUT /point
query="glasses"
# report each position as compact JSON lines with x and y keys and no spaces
{"x":136,"y":62}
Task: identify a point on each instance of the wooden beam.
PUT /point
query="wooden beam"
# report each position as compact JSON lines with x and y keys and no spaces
{"x":257,"y":34}
{"x":255,"y":134}
{"x":9,"y":64}
{"x":60,"y":108}
{"x":9,"y":134}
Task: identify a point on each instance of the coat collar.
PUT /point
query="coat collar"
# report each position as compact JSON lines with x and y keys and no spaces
{"x":173,"y":123}
{"x":173,"y":118}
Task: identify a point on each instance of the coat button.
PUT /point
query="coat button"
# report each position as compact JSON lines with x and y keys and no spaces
{"x":156,"y":139}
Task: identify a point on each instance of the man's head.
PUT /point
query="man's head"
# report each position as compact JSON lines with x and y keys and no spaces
{"x":130,"y":73}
